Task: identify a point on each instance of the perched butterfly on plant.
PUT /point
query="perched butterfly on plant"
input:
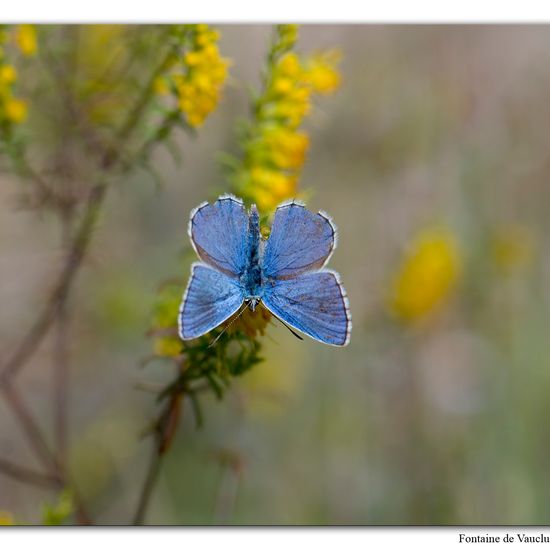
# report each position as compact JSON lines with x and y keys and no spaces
{"x":284,"y":273}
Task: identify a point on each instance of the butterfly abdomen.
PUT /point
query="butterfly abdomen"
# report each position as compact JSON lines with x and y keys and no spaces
{"x":251,"y":279}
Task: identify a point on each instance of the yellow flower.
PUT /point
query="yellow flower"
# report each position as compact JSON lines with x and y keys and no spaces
{"x":287,"y":148}
{"x":322,"y":73}
{"x":6,"y":518}
{"x":289,"y":65}
{"x":427,"y":276}
{"x":16,"y":110}
{"x":8,"y":74}
{"x":25,"y":38}
{"x":512,"y":248}
{"x":192,"y":58}
{"x":198,"y":76}
{"x":270,"y":187}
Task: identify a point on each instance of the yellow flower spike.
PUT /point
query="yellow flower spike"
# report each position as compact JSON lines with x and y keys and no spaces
{"x":25,"y":38}
{"x":427,"y":275}
{"x":274,"y":148}
{"x":8,"y":74}
{"x":200,"y":75}
{"x":16,"y":110}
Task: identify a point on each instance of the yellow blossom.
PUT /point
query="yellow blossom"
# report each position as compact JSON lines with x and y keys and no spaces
{"x":8,"y":74}
{"x":287,"y":147}
{"x":192,"y":58}
{"x":270,"y":187}
{"x":289,"y":65}
{"x":322,"y":74}
{"x":427,"y":275}
{"x":25,"y":38}
{"x":16,"y":110}
{"x":198,"y":77}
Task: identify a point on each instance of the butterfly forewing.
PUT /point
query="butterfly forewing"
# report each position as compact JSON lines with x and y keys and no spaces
{"x":300,"y":241}
{"x":219,"y":233}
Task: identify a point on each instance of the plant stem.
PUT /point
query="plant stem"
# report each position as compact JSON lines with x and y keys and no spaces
{"x":54,"y":310}
{"x":60,"y":366}
{"x":148,"y":486}
{"x":39,"y":328}
{"x":26,"y":475}
{"x":30,"y":428}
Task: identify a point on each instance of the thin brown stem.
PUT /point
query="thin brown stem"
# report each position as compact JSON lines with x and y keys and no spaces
{"x":38,"y":330}
{"x":165,"y":431}
{"x":30,"y":428}
{"x":61,"y":360}
{"x":148,"y":486}
{"x":26,"y":475}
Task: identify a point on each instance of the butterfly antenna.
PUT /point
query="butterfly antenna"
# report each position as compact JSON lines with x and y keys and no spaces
{"x":245,"y":305}
{"x":293,"y":332}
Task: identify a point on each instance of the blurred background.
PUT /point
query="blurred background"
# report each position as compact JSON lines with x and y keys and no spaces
{"x":433,"y":158}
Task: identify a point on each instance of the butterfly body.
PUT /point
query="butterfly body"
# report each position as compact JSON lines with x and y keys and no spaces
{"x":251,"y":278}
{"x":285,"y":273}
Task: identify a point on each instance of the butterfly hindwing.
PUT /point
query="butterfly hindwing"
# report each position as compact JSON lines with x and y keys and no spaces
{"x":219,"y":234}
{"x":314,"y":303}
{"x":300,"y":241}
{"x":210,"y":299}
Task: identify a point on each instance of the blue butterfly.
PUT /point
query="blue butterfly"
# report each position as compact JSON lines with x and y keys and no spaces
{"x":285,"y":273}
